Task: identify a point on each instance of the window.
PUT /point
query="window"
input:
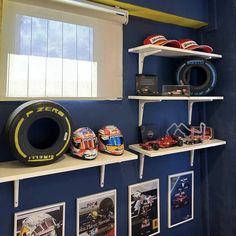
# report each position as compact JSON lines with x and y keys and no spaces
{"x":47,"y":52}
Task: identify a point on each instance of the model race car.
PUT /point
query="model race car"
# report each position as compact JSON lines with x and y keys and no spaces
{"x":164,"y":142}
{"x":192,"y":140}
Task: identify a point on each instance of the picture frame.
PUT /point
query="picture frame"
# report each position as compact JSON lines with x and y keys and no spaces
{"x":47,"y":219}
{"x":144,"y":208}
{"x":96,"y":214}
{"x":180,"y":198}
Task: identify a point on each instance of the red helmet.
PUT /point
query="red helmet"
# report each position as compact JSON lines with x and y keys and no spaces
{"x":84,"y":144}
{"x":110,"y":140}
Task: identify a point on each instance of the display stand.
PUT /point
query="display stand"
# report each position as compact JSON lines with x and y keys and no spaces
{"x":167,"y":151}
{"x":164,"y":51}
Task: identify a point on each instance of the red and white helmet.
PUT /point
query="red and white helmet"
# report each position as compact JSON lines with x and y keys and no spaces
{"x":84,"y":144}
{"x":110,"y":140}
{"x":39,"y":224}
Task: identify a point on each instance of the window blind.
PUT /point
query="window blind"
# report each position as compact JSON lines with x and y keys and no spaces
{"x":55,"y":49}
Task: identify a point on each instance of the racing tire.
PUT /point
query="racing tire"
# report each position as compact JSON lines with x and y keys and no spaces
{"x":183,"y":75}
{"x":50,"y":121}
{"x":155,"y":146}
{"x":180,"y":143}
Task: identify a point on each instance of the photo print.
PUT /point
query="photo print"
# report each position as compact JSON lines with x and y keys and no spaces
{"x":144,"y":208}
{"x":96,"y":214}
{"x":180,"y":198}
{"x":43,"y":221}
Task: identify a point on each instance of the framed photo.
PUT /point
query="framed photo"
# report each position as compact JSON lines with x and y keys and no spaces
{"x":47,"y":220}
{"x":144,"y":208}
{"x":96,"y":214}
{"x":180,"y":198}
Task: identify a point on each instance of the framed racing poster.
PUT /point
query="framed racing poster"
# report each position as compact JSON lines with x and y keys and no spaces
{"x":180,"y":198}
{"x":96,"y":214}
{"x":47,"y":220}
{"x":144,"y":208}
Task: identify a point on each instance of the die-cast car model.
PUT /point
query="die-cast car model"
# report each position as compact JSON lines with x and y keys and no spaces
{"x":192,"y":140}
{"x":164,"y":142}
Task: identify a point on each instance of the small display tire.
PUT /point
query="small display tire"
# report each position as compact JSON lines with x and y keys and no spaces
{"x":28,"y":121}
{"x":183,"y":75}
{"x":155,"y":146}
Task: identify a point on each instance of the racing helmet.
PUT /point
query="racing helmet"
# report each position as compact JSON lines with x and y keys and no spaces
{"x":106,"y":206}
{"x":84,"y":144}
{"x":110,"y":140}
{"x":39,"y":224}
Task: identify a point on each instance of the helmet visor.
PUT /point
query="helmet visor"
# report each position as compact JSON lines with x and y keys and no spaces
{"x":89,"y":143}
{"x":86,"y":144}
{"x":114,"y":141}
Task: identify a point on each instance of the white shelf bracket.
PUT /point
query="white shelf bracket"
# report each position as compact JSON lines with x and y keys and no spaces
{"x":190,"y":111}
{"x":141,"y":58}
{"x":16,"y":193}
{"x":102,"y":175}
{"x":190,"y":108}
{"x":141,"y":165}
{"x":191,"y":157}
{"x":141,"y":110}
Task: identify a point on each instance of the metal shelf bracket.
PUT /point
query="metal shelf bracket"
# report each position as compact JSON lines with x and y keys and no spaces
{"x":141,"y":165}
{"x":102,"y":175}
{"x":16,"y":193}
{"x":191,"y":158}
{"x":190,"y":108}
{"x":141,"y":110}
{"x":141,"y":58}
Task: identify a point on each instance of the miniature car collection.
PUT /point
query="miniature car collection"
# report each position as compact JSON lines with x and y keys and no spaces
{"x":175,"y":90}
{"x":192,"y":140}
{"x":178,"y":135}
{"x":178,"y":92}
{"x":164,"y":142}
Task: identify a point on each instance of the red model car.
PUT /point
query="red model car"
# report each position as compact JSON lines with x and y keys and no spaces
{"x":165,"y":142}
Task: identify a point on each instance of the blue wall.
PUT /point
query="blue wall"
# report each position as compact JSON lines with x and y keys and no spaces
{"x":221,"y":163}
{"x":67,"y":187}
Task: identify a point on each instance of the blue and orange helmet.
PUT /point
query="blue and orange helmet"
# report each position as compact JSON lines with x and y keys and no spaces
{"x":110,"y":140}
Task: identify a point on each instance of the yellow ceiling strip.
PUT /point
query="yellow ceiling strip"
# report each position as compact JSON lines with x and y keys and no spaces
{"x":154,"y":15}
{"x":1,"y":7}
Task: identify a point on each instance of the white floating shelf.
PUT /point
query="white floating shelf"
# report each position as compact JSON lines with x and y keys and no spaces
{"x":191,"y":100}
{"x":167,"y":151}
{"x":172,"y":150}
{"x":9,"y":99}
{"x":165,"y":51}
{"x":16,"y":171}
{"x":176,"y":98}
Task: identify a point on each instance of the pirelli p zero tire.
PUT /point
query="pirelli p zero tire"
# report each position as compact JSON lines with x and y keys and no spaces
{"x":39,"y":132}
{"x":208,"y":81}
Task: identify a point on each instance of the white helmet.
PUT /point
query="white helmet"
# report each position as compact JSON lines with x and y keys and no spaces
{"x":39,"y":224}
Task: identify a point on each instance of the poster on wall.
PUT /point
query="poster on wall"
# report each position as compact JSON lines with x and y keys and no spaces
{"x":96,"y":214}
{"x":180,"y":198}
{"x":144,"y":208}
{"x":47,"y":220}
